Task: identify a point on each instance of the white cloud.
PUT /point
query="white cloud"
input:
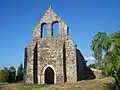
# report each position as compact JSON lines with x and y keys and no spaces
{"x":90,"y":58}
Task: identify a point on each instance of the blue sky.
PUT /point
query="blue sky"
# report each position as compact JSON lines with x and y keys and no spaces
{"x":85,"y":18}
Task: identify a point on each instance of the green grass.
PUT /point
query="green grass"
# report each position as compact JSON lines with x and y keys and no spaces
{"x":96,"y":84}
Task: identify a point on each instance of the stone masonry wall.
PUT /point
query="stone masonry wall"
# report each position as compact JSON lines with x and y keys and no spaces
{"x":29,"y":62}
{"x":71,"y":69}
{"x":50,"y":52}
{"x":56,"y":52}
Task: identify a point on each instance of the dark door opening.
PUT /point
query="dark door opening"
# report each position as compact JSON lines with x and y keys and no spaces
{"x":49,"y":76}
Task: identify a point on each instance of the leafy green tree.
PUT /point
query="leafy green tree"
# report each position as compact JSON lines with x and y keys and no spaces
{"x":3,"y":75}
{"x":107,"y":51}
{"x":112,"y":57}
{"x":12,"y":74}
{"x":98,"y":46}
{"x":20,"y":72}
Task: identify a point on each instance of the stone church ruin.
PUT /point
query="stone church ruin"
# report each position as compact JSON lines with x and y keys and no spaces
{"x":54,"y":59}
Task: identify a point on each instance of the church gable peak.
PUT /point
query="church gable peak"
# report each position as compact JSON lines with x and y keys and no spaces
{"x":50,"y":18}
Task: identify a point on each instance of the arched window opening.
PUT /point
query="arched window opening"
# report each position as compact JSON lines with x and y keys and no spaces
{"x":44,"y":30}
{"x":55,"y":26}
{"x":67,"y":30}
{"x":49,"y":76}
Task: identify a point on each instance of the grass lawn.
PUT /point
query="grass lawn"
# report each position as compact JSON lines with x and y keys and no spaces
{"x":96,"y":84}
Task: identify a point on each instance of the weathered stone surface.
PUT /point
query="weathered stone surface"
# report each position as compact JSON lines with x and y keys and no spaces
{"x":98,"y":73}
{"x":58,"y":53}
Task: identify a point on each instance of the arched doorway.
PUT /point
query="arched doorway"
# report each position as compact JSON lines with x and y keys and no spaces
{"x":49,"y":76}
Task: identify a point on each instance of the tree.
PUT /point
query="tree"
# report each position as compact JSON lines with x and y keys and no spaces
{"x":107,"y":50}
{"x":12,"y":74}
{"x":3,"y":75}
{"x":98,"y":46}
{"x":20,"y":72}
{"x":112,"y":57}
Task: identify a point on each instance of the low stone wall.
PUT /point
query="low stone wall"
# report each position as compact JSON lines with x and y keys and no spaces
{"x":98,"y":73}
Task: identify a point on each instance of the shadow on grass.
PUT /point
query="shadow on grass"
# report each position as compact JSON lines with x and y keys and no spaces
{"x":110,"y":86}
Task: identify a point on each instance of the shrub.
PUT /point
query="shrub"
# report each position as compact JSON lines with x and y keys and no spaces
{"x":3,"y":75}
{"x":12,"y":74}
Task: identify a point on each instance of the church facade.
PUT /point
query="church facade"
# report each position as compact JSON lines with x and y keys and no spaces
{"x":54,"y":59}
